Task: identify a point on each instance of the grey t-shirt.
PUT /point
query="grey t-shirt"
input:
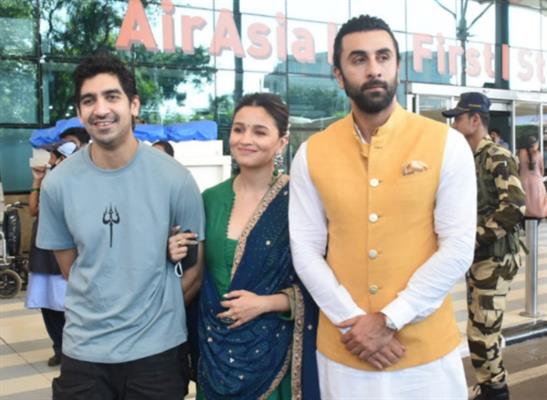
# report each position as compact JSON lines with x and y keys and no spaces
{"x":123,"y":301}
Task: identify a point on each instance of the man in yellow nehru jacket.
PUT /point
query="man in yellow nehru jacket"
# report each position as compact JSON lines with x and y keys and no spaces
{"x":382,"y":220}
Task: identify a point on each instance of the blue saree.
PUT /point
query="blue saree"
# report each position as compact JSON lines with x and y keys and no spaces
{"x":249,"y":362}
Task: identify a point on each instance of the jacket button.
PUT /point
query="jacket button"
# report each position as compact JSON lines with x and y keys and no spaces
{"x":374,"y":182}
{"x":373,"y":289}
{"x":373,"y":217}
{"x":372,"y":254}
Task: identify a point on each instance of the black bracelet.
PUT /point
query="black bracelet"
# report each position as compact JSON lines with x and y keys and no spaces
{"x":35,"y":190}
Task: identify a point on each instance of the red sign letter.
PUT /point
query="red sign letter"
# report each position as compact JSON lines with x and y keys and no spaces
{"x":226,"y":36}
{"x":304,"y":48}
{"x":488,"y":59}
{"x":473,"y":64}
{"x":168,"y":29}
{"x":528,"y":72}
{"x":188,"y":25}
{"x":135,"y":28}
{"x":258,"y":35}
{"x":420,"y":52}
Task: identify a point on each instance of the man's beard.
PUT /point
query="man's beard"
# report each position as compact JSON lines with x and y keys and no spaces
{"x":373,"y":102}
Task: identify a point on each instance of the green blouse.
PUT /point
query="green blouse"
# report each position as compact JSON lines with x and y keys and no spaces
{"x":219,"y":255}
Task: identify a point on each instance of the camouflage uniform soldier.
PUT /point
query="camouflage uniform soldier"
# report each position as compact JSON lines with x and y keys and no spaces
{"x":497,"y":249}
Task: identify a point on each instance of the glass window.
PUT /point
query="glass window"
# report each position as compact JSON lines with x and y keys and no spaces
{"x":431,"y":61}
{"x":319,"y":10}
{"x":17,"y":27}
{"x":231,"y":46}
{"x":308,"y":47}
{"x":262,"y":51}
{"x":519,"y":37}
{"x":79,"y":28}
{"x":270,"y":7}
{"x":481,"y":21}
{"x":15,"y":151}
{"x":230,"y":86}
{"x":187,"y":44}
{"x":392,"y":12}
{"x":544,"y":30}
{"x":524,"y":73}
{"x":194,"y":3}
{"x":58,"y":92}
{"x":314,"y":103}
{"x":163,"y":93}
{"x":444,"y":21}
{"x":432,"y":106}
{"x":313,"y":98}
{"x":18,"y":96}
{"x":480,"y":60}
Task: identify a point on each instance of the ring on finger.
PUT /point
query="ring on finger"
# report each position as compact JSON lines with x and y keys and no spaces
{"x":228,"y":320}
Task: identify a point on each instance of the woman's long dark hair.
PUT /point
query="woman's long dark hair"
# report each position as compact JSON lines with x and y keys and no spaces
{"x":531,"y":141}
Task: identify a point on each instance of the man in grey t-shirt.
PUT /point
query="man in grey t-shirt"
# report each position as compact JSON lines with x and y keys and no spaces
{"x":107,"y":213}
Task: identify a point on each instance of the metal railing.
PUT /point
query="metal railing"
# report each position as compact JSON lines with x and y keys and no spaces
{"x":531,"y":278}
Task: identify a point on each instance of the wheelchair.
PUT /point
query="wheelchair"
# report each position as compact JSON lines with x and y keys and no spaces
{"x":13,"y":266}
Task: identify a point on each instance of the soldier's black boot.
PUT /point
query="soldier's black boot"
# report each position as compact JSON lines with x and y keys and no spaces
{"x":489,"y":392}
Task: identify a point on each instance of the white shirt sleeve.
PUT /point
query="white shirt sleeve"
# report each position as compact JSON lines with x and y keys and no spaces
{"x":308,"y":231}
{"x":455,"y":224}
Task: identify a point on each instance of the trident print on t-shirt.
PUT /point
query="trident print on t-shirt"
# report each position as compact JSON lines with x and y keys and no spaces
{"x":111,"y":217}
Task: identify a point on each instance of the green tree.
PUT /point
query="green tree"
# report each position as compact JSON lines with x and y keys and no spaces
{"x":76,"y":29}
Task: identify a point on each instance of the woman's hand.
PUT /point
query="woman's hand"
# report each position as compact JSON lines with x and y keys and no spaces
{"x":242,"y":306}
{"x":178,"y":244}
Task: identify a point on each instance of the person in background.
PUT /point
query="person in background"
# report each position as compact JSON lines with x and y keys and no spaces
{"x":495,"y":135}
{"x":165,"y":147}
{"x":107,"y":213}
{"x":531,"y":175}
{"x":255,"y":321}
{"x":46,"y":288}
{"x":382,"y":226}
{"x":500,"y":209}
{"x":77,"y":135}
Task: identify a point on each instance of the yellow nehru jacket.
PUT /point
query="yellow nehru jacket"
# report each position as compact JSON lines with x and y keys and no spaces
{"x":379,"y":200}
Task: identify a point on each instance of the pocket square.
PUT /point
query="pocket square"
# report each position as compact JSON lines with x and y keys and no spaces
{"x":414,"y":166}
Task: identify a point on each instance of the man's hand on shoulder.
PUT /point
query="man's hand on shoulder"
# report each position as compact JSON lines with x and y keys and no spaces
{"x":367,"y":335}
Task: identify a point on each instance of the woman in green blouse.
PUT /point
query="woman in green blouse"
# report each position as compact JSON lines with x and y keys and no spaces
{"x":251,"y":309}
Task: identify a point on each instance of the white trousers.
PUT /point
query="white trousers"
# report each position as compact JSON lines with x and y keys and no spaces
{"x":441,"y":379}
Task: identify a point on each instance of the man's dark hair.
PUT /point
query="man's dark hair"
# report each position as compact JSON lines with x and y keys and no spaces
{"x":273,"y":105}
{"x":362,"y":23}
{"x":166,"y":146}
{"x":496,"y":131}
{"x":104,"y":63}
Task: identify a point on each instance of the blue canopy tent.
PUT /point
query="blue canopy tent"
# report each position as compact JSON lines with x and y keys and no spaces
{"x":194,"y":130}
{"x":41,"y":137}
{"x":150,"y":132}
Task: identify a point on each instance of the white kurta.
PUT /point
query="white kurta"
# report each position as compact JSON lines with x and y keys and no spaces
{"x":455,"y":226}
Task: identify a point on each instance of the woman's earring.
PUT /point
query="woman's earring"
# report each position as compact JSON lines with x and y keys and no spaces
{"x":278,"y":162}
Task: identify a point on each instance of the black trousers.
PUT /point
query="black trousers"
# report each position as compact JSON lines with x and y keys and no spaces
{"x":54,"y":321}
{"x":162,"y":376}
